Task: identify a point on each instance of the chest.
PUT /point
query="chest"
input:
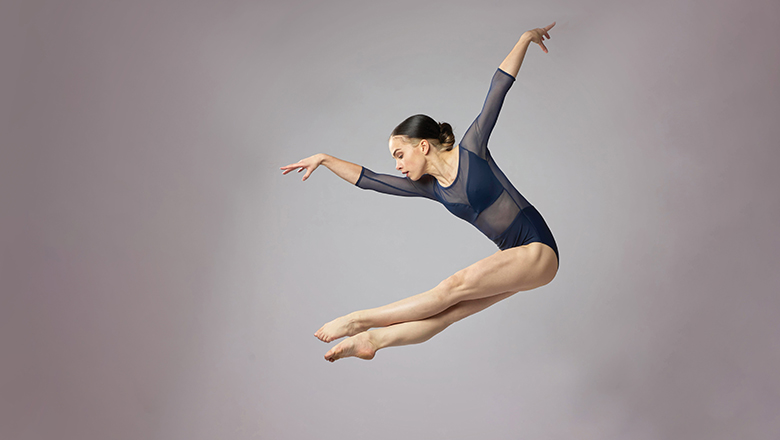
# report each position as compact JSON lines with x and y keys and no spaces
{"x":474,"y":189}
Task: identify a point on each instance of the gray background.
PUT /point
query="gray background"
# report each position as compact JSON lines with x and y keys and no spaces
{"x":162,"y":280}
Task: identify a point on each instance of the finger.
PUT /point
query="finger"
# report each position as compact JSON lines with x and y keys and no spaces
{"x":306,"y":176}
{"x":544,"y":48}
{"x":547,"y":28}
{"x":301,"y":169}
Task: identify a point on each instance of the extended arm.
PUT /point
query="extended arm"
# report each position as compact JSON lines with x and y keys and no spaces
{"x":346,"y":170}
{"x":514,"y":60}
{"x":363,"y":177}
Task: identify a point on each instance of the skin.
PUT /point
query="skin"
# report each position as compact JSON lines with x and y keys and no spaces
{"x":415,"y":158}
{"x":418,"y":318}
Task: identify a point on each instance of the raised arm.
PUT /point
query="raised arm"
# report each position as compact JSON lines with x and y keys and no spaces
{"x":514,"y":60}
{"x":475,"y":138}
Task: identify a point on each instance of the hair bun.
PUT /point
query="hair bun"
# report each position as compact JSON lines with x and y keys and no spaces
{"x":446,"y":137}
{"x":425,"y":127}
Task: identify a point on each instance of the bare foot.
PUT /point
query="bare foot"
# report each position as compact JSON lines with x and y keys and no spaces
{"x":338,"y":328}
{"x":359,"y":345}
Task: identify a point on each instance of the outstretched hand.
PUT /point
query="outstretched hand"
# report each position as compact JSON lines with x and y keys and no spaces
{"x":538,"y":35}
{"x":309,"y":164}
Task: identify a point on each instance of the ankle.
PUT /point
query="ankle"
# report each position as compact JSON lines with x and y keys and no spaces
{"x":374,"y":338}
{"x":357,"y":320}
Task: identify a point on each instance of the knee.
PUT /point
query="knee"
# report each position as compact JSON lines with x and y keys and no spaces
{"x":455,"y":285}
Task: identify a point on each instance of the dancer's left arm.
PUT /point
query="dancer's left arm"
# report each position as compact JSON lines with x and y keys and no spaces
{"x":514,"y":60}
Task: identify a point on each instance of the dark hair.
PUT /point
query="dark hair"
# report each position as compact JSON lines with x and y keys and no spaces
{"x":425,"y":127}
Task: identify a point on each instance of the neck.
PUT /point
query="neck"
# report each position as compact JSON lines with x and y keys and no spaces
{"x":443,"y":165}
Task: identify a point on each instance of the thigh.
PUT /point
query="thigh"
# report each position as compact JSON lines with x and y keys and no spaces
{"x":511,"y":270}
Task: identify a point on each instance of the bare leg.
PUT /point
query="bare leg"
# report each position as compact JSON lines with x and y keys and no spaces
{"x":365,"y":344}
{"x":511,"y":270}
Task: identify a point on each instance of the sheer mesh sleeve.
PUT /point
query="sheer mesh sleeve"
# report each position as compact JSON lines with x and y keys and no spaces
{"x":397,"y":186}
{"x":476,"y":137}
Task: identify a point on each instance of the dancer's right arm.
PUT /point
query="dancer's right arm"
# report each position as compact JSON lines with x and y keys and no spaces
{"x":367,"y":179}
{"x":346,"y":170}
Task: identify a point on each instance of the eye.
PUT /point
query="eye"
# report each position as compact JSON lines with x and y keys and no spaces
{"x":400,"y":156}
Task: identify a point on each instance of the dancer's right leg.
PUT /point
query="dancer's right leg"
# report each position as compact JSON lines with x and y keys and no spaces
{"x":365,"y":344}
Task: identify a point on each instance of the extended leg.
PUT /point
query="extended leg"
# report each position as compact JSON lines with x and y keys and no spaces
{"x":512,"y":270}
{"x":365,"y":344}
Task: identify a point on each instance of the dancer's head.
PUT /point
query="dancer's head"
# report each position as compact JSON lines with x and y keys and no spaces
{"x":412,"y":140}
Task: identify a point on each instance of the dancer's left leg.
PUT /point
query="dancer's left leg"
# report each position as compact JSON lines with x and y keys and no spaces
{"x":365,"y":344}
{"x":511,"y":270}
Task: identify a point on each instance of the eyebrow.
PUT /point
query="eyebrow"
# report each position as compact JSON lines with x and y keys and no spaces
{"x":396,"y":150}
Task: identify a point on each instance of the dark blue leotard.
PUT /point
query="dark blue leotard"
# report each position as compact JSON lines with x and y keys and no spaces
{"x":481,"y":194}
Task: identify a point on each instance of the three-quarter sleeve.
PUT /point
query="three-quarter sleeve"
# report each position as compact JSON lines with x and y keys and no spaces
{"x":476,"y":137}
{"x":394,"y":185}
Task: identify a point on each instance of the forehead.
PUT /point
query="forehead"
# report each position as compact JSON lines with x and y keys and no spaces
{"x":396,"y":143}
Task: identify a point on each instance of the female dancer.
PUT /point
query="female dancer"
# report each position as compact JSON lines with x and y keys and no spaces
{"x":469,"y":183}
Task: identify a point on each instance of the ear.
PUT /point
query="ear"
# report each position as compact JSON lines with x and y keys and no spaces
{"x":425,"y":146}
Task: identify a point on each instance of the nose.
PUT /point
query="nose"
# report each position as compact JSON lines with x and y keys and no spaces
{"x":398,"y":165}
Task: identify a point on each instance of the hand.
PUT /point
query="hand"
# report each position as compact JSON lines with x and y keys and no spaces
{"x":538,"y":35}
{"x":309,"y":164}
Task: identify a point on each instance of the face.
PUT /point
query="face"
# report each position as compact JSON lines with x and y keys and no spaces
{"x":409,"y":157}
